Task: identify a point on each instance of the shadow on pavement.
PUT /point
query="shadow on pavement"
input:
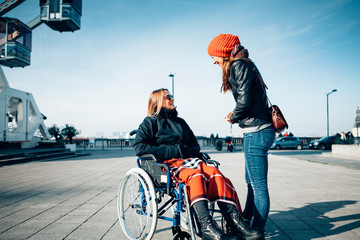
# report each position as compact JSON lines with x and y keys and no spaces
{"x":313,"y":217}
{"x":97,"y":154}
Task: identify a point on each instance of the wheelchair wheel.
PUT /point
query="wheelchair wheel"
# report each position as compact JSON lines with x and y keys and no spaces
{"x":182,"y":236}
{"x":137,"y":208}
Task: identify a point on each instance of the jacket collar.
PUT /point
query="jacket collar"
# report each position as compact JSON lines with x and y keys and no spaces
{"x":165,"y":114}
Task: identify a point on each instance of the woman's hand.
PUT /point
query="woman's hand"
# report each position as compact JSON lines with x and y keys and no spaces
{"x":228,"y":118}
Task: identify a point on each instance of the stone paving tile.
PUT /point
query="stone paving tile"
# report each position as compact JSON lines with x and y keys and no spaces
{"x":321,"y":220}
{"x":115,"y":232}
{"x":72,"y":219}
{"x":274,"y":232}
{"x":87,"y":233}
{"x":63,"y":228}
{"x":303,"y":234}
{"x":349,"y":235}
{"x":283,"y":216}
{"x":356,"y":231}
{"x":47,"y":236}
{"x":33,"y":224}
{"x":292,"y":224}
{"x":329,"y":229}
{"x":304,"y":212}
{"x":7,"y":223}
{"x":18,"y":233}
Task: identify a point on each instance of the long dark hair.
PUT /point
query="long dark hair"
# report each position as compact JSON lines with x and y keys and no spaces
{"x":225,"y":86}
{"x":239,"y":52}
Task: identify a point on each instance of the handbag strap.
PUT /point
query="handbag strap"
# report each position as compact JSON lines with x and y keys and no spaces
{"x":260,"y":79}
{"x":262,"y":83}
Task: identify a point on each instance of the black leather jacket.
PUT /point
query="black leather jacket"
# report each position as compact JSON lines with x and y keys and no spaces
{"x":166,"y":136}
{"x":251,"y":108}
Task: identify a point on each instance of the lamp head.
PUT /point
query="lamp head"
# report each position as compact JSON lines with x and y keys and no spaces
{"x":334,"y":90}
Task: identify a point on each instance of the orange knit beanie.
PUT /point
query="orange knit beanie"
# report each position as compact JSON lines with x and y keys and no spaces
{"x":222,"y":45}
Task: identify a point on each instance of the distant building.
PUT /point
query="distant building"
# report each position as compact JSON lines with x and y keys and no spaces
{"x":116,"y":134}
{"x":100,"y":134}
{"x":356,"y":129}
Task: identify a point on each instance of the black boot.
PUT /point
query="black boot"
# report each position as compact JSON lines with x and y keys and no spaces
{"x":236,"y":223}
{"x":209,"y":229}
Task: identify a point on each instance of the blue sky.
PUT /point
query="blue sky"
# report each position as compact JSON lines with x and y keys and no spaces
{"x":100,"y":77}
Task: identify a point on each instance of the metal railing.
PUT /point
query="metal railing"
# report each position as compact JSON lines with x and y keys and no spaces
{"x":108,"y":143}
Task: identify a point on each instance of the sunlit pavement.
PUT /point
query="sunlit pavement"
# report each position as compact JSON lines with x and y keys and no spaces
{"x":76,"y":198}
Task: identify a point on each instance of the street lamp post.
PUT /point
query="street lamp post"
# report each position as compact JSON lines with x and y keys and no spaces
{"x":327,"y":108}
{"x":172,"y":76}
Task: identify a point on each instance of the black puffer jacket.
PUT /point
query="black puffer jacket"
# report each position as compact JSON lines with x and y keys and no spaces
{"x":251,"y":108}
{"x":166,"y":136}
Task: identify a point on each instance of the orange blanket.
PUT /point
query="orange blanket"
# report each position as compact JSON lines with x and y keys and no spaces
{"x":203,"y":182}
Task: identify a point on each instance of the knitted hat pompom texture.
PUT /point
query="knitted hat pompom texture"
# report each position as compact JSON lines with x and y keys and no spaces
{"x":222,"y":45}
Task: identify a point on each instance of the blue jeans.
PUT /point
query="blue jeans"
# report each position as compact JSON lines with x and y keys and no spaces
{"x":256,"y":147}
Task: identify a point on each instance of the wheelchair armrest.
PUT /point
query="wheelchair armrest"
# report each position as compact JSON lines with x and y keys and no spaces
{"x":148,"y":157}
{"x":153,"y":158}
{"x":206,"y":158}
{"x":213,"y":162}
{"x":159,"y":172}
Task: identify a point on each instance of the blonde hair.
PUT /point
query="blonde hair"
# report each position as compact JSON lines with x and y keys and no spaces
{"x":155,"y":102}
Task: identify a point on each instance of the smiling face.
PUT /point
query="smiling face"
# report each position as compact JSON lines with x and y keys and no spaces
{"x":168,"y":101}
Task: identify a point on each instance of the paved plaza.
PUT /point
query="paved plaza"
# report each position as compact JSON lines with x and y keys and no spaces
{"x":76,"y":198}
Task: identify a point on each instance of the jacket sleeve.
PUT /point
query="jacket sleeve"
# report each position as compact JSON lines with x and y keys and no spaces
{"x":145,"y":143}
{"x":242,"y":76}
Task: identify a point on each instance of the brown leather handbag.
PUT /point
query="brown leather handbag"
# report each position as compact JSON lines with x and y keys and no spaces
{"x":278,"y":119}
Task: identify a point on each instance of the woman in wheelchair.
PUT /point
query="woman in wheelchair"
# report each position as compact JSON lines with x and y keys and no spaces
{"x":170,"y":140}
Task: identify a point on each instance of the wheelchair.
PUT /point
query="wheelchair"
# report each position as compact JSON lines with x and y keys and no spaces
{"x":148,"y":192}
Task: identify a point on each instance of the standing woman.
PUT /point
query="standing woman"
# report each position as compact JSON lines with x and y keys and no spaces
{"x":241,"y":77}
